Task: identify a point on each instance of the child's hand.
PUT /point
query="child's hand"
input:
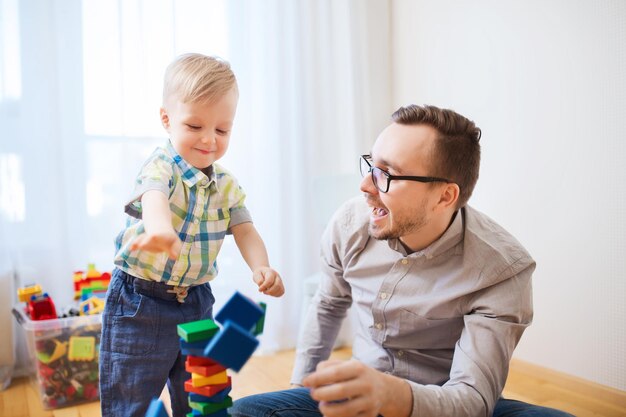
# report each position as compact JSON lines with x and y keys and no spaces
{"x":168,"y":242}
{"x":269,"y":281}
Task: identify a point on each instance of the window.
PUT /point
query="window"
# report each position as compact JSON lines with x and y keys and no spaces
{"x":10,"y":80}
{"x":12,"y":196}
{"x":126,"y":47}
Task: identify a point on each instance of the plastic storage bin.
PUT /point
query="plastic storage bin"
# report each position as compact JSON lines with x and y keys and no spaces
{"x":64,"y":353}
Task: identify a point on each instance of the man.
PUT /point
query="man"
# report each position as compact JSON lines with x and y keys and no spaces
{"x":441,"y":292}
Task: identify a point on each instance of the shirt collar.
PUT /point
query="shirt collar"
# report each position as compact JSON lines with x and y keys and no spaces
{"x":451,"y":237}
{"x":190,"y":175}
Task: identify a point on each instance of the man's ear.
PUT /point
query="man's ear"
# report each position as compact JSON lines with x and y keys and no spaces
{"x":449,"y":195}
{"x":165,"y":119}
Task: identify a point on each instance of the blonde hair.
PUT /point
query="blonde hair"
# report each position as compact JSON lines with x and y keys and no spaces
{"x":196,"y":77}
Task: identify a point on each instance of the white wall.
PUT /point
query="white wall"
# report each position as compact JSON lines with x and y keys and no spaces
{"x":546,"y":81}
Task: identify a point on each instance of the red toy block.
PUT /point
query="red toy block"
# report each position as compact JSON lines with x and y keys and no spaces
{"x":199,"y":361}
{"x":207,"y":390}
{"x":206,"y":370}
{"x":41,"y":307}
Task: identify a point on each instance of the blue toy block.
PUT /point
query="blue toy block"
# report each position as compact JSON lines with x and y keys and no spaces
{"x":232,"y":346}
{"x":217,"y":398}
{"x":192,"y":348}
{"x":240,"y":310}
{"x":156,"y":409}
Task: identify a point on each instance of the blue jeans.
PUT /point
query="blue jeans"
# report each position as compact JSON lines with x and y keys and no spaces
{"x":140,"y":349}
{"x":298,"y":403}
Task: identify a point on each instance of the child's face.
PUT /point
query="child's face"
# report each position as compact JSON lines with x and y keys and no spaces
{"x":200,"y":132}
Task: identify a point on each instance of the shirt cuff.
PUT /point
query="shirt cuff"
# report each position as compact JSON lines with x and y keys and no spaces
{"x":133,"y":207}
{"x":237,"y":216}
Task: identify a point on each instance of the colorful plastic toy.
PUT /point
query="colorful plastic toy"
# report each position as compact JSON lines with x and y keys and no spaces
{"x":93,"y":305}
{"x":82,"y":348}
{"x":41,"y":307}
{"x":200,"y":380}
{"x":207,"y":390}
{"x":206,"y":408}
{"x":67,"y":365}
{"x":50,"y":355}
{"x":24,"y":293}
{"x":232,"y":346}
{"x":85,"y":284}
{"x":240,"y":310}
{"x":219,"y":397}
{"x":212,"y":349}
{"x":258,"y":328}
{"x":197,"y":330}
{"x":156,"y":409}
{"x":203,"y":370}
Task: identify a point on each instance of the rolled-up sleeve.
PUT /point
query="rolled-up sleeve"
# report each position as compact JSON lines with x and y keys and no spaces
{"x":156,"y":174}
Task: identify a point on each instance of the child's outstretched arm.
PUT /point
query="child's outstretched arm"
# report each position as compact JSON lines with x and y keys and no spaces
{"x":159,"y":234}
{"x":253,"y":251}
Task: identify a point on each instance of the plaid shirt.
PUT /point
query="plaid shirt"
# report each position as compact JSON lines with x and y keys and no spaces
{"x":203,"y":210}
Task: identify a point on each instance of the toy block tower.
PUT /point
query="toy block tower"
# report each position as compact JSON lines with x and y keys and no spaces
{"x":212,"y":349}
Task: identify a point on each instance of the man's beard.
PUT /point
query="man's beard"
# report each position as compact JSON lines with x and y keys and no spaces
{"x":402,"y":225}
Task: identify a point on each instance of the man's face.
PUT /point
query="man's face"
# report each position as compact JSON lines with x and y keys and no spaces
{"x":406,"y":208}
{"x":200,"y":132}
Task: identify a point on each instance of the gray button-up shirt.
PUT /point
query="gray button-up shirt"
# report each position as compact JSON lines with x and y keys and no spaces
{"x":446,"y":318}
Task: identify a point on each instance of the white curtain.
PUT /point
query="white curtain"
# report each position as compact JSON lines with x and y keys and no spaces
{"x":80,"y":113}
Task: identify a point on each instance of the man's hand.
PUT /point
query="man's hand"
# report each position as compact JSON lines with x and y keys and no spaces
{"x":269,"y":281}
{"x":168,"y":242}
{"x":351,"y":388}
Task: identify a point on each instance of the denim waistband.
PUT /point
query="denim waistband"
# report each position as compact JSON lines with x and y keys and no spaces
{"x":155,"y":289}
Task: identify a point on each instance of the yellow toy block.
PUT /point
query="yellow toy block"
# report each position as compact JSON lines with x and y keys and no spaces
{"x":92,"y":272}
{"x":24,"y":293}
{"x":60,"y":349}
{"x":82,"y":348}
{"x":92,"y":305}
{"x":198,"y":380}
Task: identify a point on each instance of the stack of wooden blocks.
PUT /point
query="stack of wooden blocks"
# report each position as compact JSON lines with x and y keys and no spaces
{"x":211,"y":349}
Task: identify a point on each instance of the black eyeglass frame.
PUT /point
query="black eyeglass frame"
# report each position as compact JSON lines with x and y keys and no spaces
{"x":372,"y":168}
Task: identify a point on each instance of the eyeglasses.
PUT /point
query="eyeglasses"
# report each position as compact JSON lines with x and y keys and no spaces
{"x":382,"y":178}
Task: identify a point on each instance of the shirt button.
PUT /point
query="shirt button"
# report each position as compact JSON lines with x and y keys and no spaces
{"x":175,"y":278}
{"x":400,"y":353}
{"x":378,"y":326}
{"x":404,"y":262}
{"x":196,"y":220}
{"x":383,"y":295}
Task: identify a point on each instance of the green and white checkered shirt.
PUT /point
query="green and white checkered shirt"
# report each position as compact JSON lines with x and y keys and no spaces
{"x":203,"y":210}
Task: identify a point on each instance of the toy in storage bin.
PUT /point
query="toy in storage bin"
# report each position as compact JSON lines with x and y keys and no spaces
{"x":65,"y":354}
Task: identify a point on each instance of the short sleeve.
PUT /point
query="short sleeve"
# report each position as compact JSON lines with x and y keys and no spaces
{"x":156,"y":174}
{"x":233,"y":196}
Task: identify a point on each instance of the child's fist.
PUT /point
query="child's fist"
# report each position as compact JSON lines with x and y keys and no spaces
{"x":269,"y":281}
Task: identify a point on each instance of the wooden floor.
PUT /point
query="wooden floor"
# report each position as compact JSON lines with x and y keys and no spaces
{"x":526,"y":382}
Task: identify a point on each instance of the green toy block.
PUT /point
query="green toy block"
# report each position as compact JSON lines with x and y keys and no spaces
{"x":196,"y":331}
{"x":209,"y":408}
{"x":258,"y":328}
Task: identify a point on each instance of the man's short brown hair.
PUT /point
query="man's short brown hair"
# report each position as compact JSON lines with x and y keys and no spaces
{"x":456,"y":155}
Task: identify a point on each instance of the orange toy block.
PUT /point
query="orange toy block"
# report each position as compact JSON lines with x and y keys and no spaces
{"x":207,"y":390}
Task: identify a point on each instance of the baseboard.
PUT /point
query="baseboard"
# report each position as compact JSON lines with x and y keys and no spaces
{"x":571,"y":383}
